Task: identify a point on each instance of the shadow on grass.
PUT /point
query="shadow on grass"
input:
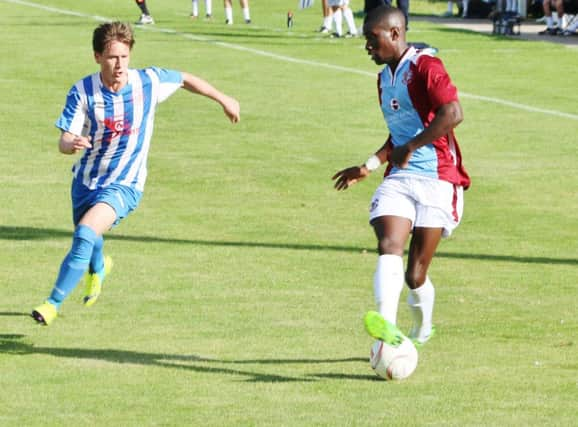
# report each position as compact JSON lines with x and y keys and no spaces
{"x":15,"y":344}
{"x":33,"y":233}
{"x":347,"y":377}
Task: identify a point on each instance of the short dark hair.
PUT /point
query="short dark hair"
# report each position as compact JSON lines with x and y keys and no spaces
{"x":112,"y":31}
{"x":372,"y":4}
{"x":381,"y":14}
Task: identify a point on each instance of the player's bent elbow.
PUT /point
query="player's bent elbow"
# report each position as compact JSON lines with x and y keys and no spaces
{"x":452,"y":114}
{"x":457,"y":113}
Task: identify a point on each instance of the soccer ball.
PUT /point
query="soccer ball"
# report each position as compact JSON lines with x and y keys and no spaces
{"x":393,"y":363}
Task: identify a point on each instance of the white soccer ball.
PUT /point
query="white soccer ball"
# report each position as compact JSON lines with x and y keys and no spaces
{"x":393,"y":363}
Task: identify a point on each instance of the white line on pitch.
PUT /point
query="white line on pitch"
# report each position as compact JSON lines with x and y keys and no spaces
{"x":264,"y":53}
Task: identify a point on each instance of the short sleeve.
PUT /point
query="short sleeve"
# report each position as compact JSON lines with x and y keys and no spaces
{"x":74,"y":115}
{"x":440,"y":88}
{"x":169,"y":82}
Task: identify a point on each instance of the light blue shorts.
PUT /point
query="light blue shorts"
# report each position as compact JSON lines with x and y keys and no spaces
{"x":121,"y":198}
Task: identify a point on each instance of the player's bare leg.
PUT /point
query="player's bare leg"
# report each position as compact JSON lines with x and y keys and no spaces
{"x":421,"y":296}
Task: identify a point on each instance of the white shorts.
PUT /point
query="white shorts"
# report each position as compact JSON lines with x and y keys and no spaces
{"x":426,"y":202}
{"x":337,"y":3}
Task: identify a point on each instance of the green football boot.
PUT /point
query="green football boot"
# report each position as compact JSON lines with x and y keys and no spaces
{"x":381,"y":329}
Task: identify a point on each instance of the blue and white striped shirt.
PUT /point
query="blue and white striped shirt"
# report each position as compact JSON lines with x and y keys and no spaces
{"x":120,"y":125}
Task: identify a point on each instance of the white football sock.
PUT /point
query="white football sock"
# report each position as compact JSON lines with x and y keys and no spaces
{"x":348,"y":15}
{"x":246,"y":14}
{"x":387,"y":285}
{"x":229,"y":15}
{"x":209,"y":7}
{"x":421,"y":303}
{"x":563,"y":23}
{"x":195,"y":11}
{"x":450,"y":7}
{"x":327,"y":22}
{"x":338,"y":21}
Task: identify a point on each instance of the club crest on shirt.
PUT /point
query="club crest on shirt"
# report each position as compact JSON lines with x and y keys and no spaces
{"x":394,"y":104}
{"x":406,"y":78}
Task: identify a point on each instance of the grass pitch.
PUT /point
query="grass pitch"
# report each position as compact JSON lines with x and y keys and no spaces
{"x":241,"y":280}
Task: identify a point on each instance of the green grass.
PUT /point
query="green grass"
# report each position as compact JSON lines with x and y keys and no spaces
{"x":241,"y":280}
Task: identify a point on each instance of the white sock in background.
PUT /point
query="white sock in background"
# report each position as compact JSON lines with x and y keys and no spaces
{"x":229,"y":15}
{"x":563,"y":23}
{"x":387,"y":285}
{"x":338,"y":21}
{"x":195,"y":10}
{"x":246,"y":14}
{"x":348,"y":15}
{"x":421,"y":303}
{"x":209,"y":7}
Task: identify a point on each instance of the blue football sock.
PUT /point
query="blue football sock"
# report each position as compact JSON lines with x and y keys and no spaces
{"x":97,"y":258}
{"x":74,"y":265}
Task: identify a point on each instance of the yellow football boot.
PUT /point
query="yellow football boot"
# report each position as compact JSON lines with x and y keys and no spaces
{"x":45,"y":313}
{"x":93,"y":283}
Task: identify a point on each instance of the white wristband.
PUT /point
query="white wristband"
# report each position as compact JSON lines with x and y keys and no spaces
{"x":372,"y":163}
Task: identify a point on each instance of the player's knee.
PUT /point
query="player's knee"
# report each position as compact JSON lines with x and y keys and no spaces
{"x":415,"y":277}
{"x":82,"y":247}
{"x":387,"y":246}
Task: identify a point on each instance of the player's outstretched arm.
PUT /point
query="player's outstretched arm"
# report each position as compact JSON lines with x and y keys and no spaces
{"x":71,"y":144}
{"x":197,"y":85}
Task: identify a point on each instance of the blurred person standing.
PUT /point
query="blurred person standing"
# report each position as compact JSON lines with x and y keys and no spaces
{"x":327,"y":18}
{"x":145,"y":17}
{"x":340,"y":10}
{"x":208,"y":9}
{"x":553,"y":29}
{"x":229,"y":11}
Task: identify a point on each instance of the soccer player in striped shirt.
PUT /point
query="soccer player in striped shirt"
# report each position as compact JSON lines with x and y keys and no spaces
{"x":422,"y":190}
{"x":109,"y":116}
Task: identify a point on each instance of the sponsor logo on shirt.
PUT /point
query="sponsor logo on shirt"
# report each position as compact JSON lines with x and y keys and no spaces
{"x":119,"y":127}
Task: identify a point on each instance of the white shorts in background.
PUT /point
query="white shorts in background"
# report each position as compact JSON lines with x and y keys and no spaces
{"x":336,"y":3}
{"x":426,"y":202}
